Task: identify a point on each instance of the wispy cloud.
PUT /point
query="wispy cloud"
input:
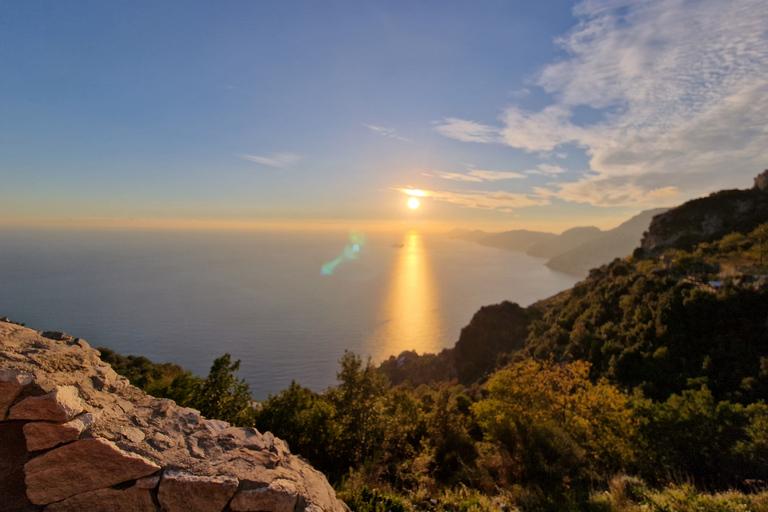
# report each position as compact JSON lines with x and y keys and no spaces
{"x":546,"y":170}
{"x":683,"y":89}
{"x":493,"y":200}
{"x":387,"y":132}
{"x":280,"y":160}
{"x":468,"y":131}
{"x":476,"y":175}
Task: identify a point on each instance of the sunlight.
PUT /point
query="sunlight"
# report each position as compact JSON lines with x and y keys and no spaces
{"x":413,"y":203}
{"x":409,"y":319}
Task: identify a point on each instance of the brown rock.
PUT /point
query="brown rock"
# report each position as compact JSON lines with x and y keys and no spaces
{"x":84,"y":465}
{"x":41,"y":435}
{"x":183,"y":492}
{"x":279,"y":496}
{"x":11,"y":383}
{"x":60,"y":405}
{"x":133,"y":499}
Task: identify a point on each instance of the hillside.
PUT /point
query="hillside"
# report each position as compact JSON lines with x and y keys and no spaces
{"x":706,"y":219}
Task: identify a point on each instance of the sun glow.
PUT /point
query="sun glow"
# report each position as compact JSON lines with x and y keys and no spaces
{"x":413,"y":203}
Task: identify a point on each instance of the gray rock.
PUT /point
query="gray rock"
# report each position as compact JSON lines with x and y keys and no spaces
{"x":134,"y":435}
{"x":183,"y":492}
{"x":133,"y":499}
{"x":84,"y":465}
{"x":60,"y":405}
{"x":279,"y":496}
{"x":41,"y":435}
{"x":12,"y":381}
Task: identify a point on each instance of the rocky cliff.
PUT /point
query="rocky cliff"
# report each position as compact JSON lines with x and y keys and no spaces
{"x":76,"y":436}
{"x":705,"y":219}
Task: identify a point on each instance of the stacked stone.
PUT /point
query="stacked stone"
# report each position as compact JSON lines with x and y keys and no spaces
{"x":76,"y":436}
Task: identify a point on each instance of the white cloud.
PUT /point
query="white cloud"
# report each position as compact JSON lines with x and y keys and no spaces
{"x":468,"y":131}
{"x":683,"y":89}
{"x":456,"y":176}
{"x":495,"y":175}
{"x":477,"y":175}
{"x":280,"y":160}
{"x":546,"y":170}
{"x":386,"y":132}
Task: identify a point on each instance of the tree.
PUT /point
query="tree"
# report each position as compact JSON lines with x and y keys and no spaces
{"x":761,"y":235}
{"x":223,"y":396}
{"x":554,"y":423}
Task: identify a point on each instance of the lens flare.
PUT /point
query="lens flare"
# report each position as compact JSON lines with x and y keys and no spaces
{"x":413,"y":203}
{"x":350,"y":252}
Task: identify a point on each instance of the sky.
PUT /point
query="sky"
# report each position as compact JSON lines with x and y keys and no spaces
{"x":495,"y":114}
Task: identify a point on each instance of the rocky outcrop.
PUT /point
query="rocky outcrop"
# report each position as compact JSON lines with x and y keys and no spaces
{"x":705,"y":219}
{"x":76,"y":436}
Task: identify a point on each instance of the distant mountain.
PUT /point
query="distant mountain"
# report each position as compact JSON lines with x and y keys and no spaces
{"x":516,"y":240}
{"x":574,"y":251}
{"x":615,"y":243}
{"x":468,"y":235}
{"x":566,"y":241}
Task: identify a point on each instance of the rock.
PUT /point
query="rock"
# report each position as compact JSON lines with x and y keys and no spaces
{"x":41,"y":435}
{"x":84,"y":465}
{"x":60,"y":405}
{"x":279,"y":496}
{"x":133,"y":499}
{"x":127,"y":435}
{"x":11,"y":383}
{"x":183,"y":492}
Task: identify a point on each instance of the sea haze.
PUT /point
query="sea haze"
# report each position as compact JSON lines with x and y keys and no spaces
{"x":190,"y":296}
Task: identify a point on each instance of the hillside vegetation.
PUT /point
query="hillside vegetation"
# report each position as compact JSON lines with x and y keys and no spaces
{"x":641,"y":388}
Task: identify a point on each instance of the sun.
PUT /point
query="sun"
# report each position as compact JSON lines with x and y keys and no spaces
{"x":413,"y":203}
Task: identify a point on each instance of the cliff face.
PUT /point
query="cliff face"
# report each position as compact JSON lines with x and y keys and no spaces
{"x":705,"y":219}
{"x":76,"y":436}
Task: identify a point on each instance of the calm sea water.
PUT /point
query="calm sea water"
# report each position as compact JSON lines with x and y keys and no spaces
{"x":189,"y":297}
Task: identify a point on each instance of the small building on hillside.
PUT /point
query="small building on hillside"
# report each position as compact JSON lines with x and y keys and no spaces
{"x":761,"y":181}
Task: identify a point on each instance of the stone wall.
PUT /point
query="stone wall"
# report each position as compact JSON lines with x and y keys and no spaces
{"x":76,"y":436}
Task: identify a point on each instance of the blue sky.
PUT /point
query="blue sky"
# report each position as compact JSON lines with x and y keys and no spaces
{"x":542,"y":115}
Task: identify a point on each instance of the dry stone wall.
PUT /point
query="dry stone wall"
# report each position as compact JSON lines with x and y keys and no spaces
{"x":76,"y":436}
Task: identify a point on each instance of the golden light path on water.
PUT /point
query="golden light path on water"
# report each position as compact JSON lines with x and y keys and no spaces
{"x":409,"y":318}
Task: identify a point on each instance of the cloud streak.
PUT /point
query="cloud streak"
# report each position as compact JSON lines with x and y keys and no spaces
{"x":279,"y":160}
{"x":387,"y":132}
{"x":477,"y":175}
{"x":682,"y":89}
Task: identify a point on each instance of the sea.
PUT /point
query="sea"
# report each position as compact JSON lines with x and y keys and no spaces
{"x":287,"y":304}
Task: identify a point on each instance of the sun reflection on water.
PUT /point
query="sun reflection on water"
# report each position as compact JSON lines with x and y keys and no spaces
{"x":409,"y":315}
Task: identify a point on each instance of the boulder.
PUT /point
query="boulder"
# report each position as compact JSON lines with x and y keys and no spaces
{"x":61,"y":404}
{"x":12,"y":381}
{"x":86,"y":439}
{"x":278,"y":496}
{"x":184,"y":492}
{"x":133,"y":499}
{"x":41,"y":435}
{"x":84,"y":465}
